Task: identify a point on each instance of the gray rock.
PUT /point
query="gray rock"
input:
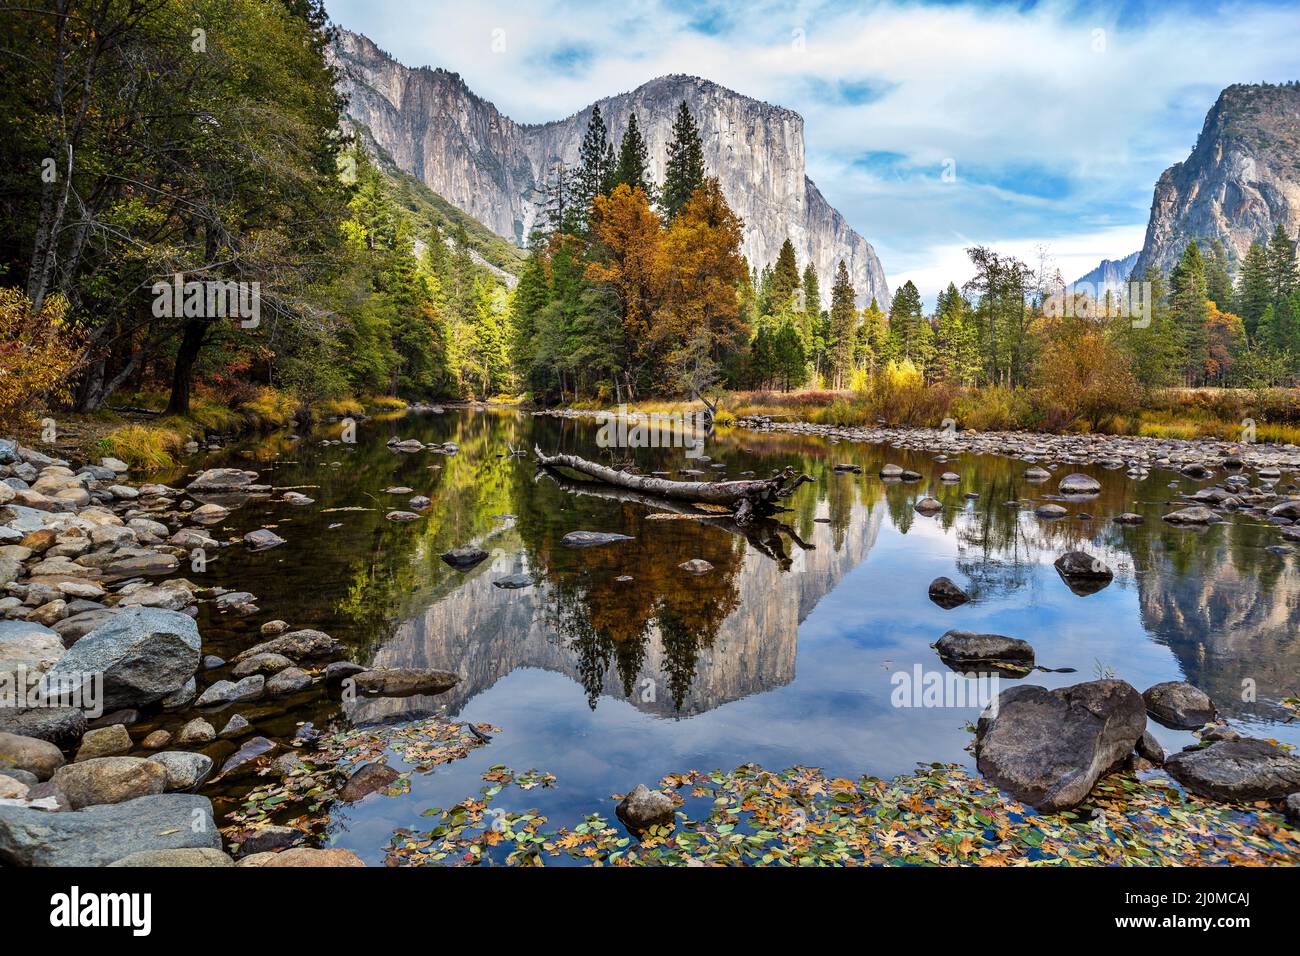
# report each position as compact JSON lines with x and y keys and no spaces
{"x":367,"y":779}
{"x":1047,"y":748}
{"x":298,"y":646}
{"x":644,"y":808}
{"x":60,"y":725}
{"x":262,"y":539}
{"x":244,"y":759}
{"x":187,"y":858}
{"x":589,"y":539}
{"x":227,"y":692}
{"x":197,"y":731}
{"x":963,"y":648}
{"x":291,"y":680}
{"x":403,"y":682}
{"x":1129,"y":517}
{"x":1082,"y":573}
{"x":513,"y":582}
{"x":1237,"y":771}
{"x":113,"y":741}
{"x":264,"y":664}
{"x":696,"y":566}
{"x":1293,"y":808}
{"x":185,"y":771}
{"x":28,"y":647}
{"x":1079,"y":484}
{"x":269,"y":838}
{"x":1051,"y":511}
{"x":1149,"y":748}
{"x":1195,"y":515}
{"x":222,"y":479}
{"x":144,"y":654}
{"x":236,"y":726}
{"x":947,"y":594}
{"x":1179,"y":705}
{"x":99,"y":835}
{"x":928,"y":505}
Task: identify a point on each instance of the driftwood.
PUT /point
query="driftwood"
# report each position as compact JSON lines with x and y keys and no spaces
{"x":746,"y":499}
{"x":765,"y":534}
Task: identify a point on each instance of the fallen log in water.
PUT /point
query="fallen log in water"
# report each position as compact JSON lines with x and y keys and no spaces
{"x":763,"y":533}
{"x":746,"y":499}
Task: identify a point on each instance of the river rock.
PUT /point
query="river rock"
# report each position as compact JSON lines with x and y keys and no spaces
{"x":28,"y":647}
{"x":367,"y":779}
{"x":404,"y":516}
{"x":1195,"y":515}
{"x":99,"y":835}
{"x":288,"y":681}
{"x":197,"y":731}
{"x":965,"y":648}
{"x":1129,"y":517}
{"x":1292,"y":807}
{"x":339,"y":671}
{"x":1179,"y":705}
{"x":947,"y":594}
{"x":109,"y":780}
{"x":1083,"y":573}
{"x":38,"y":757}
{"x":928,"y":505}
{"x":222,"y":479}
{"x":1051,"y":511}
{"x":696,"y":566}
{"x":113,"y":741}
{"x":227,"y":692}
{"x":403,"y":682}
{"x":262,"y":539}
{"x":1237,"y":771}
{"x":464,"y":557}
{"x":264,"y":664}
{"x":1047,"y":748}
{"x":179,"y":699}
{"x":236,"y":726}
{"x":304,"y":856}
{"x":185,"y":771}
{"x":644,"y":808}
{"x":187,"y":858}
{"x":144,"y":654}
{"x":266,"y":839}
{"x":298,"y":646}
{"x":512,"y":582}
{"x":1289,"y":509}
{"x":1149,"y":748}
{"x":60,"y":725}
{"x":1079,"y":484}
{"x":588,"y":539}
{"x":156,"y":740}
{"x":1035,"y":473}
{"x":243,"y":759}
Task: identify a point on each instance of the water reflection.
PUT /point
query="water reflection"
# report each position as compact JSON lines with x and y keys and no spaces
{"x":783,"y":652}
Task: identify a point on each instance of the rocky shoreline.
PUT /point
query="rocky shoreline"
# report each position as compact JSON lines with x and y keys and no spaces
{"x":97,"y":635}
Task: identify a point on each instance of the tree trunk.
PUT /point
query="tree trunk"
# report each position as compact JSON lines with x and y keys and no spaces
{"x":746,"y":499}
{"x":188,"y":353}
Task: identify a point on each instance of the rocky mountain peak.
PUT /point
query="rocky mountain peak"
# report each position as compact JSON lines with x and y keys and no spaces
{"x":437,"y":129}
{"x":1241,"y":180}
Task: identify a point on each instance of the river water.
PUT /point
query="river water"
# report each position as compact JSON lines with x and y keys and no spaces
{"x":615,"y":666}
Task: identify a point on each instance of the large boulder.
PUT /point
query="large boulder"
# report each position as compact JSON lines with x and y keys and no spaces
{"x":99,"y":835}
{"x":403,"y":682}
{"x":1082,"y":573}
{"x":1178,"y":704}
{"x":644,"y":808}
{"x":1079,"y":484}
{"x":1047,"y":748}
{"x":1238,"y":771}
{"x":143,"y":653}
{"x":964,"y":650}
{"x":304,"y":856}
{"x":109,"y":780}
{"x":60,"y":725}
{"x":188,"y":858}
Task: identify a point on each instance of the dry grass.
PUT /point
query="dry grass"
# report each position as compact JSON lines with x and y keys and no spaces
{"x":143,"y":446}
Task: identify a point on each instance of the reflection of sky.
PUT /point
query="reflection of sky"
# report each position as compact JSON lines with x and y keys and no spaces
{"x":836,"y":714}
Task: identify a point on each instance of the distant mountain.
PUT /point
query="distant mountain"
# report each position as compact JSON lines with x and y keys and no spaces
{"x":460,"y":146}
{"x":1109,"y":275}
{"x":1241,"y":180}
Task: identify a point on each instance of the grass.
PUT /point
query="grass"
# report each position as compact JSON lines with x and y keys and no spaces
{"x":337,"y":408}
{"x":143,"y":446}
{"x":384,"y":403}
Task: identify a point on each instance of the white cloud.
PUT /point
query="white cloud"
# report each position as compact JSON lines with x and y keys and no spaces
{"x":1058,"y":131}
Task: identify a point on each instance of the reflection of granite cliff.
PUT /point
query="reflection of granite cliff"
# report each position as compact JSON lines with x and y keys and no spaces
{"x":484,"y":633}
{"x":1225,"y":625}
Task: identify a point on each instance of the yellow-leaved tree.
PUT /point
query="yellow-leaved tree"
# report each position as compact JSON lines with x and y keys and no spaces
{"x":38,"y":352}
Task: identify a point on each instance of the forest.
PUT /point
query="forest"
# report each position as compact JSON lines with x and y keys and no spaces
{"x":151,"y":149}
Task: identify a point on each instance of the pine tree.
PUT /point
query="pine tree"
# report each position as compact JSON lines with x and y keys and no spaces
{"x":1218,"y":283}
{"x":595,"y":163}
{"x":1254,"y":291}
{"x":844,"y":315}
{"x":785,"y":280}
{"x":684,"y":172}
{"x":911,"y":335}
{"x":1190,"y":313}
{"x":1282,"y":277}
{"x":633,"y":166}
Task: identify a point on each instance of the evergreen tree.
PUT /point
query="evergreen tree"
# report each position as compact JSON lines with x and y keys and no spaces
{"x":633,"y":166}
{"x":1254,"y":290}
{"x":785,"y":281}
{"x":1218,"y":283}
{"x":911,"y":335}
{"x":595,"y":164}
{"x":1282,"y":277}
{"x":844,"y":315}
{"x":684,"y":172}
{"x":1190,"y":313}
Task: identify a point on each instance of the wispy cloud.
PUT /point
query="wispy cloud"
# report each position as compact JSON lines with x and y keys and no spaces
{"x":928,"y":125}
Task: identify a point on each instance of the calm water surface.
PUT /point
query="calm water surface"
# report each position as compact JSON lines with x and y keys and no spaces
{"x":782,"y":655}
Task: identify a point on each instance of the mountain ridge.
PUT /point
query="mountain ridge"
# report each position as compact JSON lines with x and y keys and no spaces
{"x":463,"y":148}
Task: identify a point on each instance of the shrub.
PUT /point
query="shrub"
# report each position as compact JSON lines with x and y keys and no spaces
{"x":38,"y":351}
{"x":1083,"y":378}
{"x":143,"y":446}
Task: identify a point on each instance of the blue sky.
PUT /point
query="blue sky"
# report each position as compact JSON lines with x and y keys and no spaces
{"x":1054,"y":120}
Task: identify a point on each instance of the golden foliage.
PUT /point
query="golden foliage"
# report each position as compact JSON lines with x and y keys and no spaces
{"x":38,"y":351}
